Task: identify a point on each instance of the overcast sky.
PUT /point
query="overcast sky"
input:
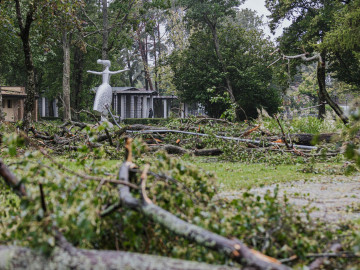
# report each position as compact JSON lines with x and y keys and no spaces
{"x":259,"y":6}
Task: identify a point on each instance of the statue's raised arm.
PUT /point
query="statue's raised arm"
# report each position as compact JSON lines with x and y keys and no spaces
{"x":118,"y":71}
{"x":94,"y":72}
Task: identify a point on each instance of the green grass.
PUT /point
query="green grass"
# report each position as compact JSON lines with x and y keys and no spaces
{"x":236,"y":176}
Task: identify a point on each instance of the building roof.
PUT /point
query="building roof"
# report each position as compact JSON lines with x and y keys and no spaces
{"x":18,"y":91}
{"x":133,"y":90}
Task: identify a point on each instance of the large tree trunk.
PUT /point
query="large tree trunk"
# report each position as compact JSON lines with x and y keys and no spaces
{"x":16,"y":258}
{"x":320,"y":73}
{"x":1,"y":107}
{"x":25,"y":38}
{"x":159,"y":53}
{"x":66,"y":76}
{"x":155,"y":62}
{"x":129,"y":67}
{"x":143,"y":52}
{"x":105,"y":36}
{"x":78,"y":76}
{"x":324,"y":95}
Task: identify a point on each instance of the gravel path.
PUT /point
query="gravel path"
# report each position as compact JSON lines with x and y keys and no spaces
{"x":336,"y":198}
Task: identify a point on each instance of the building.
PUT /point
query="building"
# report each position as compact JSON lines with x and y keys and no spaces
{"x":48,"y":107}
{"x":13,"y":98}
{"x":131,"y":102}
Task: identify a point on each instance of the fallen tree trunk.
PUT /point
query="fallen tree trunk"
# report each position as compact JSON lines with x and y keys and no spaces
{"x":311,"y":139}
{"x":177,"y":150}
{"x":172,"y":149}
{"x":208,"y":152}
{"x":16,"y":258}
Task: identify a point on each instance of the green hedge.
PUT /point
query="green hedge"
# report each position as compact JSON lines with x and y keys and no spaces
{"x":146,"y":121}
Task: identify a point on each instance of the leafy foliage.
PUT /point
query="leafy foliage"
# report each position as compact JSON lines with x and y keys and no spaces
{"x":196,"y":70}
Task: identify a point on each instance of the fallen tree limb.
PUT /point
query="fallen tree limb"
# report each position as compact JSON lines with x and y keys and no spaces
{"x":320,"y":261}
{"x":170,"y":149}
{"x":257,"y":142}
{"x":233,"y":248}
{"x":177,"y":150}
{"x":16,"y":258}
{"x":309,"y":139}
{"x":208,"y":152}
{"x":11,"y":179}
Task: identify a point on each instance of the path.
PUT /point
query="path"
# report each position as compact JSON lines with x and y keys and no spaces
{"x":336,"y":198}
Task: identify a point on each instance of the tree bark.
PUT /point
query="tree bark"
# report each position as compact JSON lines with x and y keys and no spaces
{"x":208,"y":152}
{"x":155,"y":62}
{"x":129,"y":67}
{"x":11,"y":180}
{"x":16,"y":258}
{"x":25,"y":38}
{"x":324,"y":95}
{"x":320,"y":73}
{"x":311,"y":139}
{"x":78,"y":76}
{"x":143,"y":52}
{"x":105,"y":36}
{"x":1,"y":107}
{"x":66,"y":76}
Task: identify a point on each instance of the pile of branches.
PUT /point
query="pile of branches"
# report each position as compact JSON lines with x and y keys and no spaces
{"x":187,"y":138}
{"x":68,"y":256}
{"x":131,"y":189}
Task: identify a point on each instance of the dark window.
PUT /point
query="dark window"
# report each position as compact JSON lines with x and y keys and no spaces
{"x":3,"y":103}
{"x":9,"y":103}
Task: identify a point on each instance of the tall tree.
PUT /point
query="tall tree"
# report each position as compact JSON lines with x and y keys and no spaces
{"x":208,"y":13}
{"x":311,"y":20}
{"x":343,"y":43}
{"x":44,"y":12}
{"x":199,"y":78}
{"x":25,"y":14}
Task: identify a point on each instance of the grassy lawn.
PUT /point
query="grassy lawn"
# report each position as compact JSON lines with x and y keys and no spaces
{"x":230,"y":176}
{"x":235,"y":176}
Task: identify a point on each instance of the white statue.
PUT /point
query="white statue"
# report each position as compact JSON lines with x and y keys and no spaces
{"x":104,"y":92}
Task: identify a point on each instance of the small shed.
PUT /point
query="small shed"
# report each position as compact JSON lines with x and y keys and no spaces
{"x":13,"y":98}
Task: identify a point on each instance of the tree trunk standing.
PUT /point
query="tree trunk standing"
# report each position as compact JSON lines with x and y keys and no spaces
{"x":320,"y":73}
{"x":66,"y":76}
{"x":324,"y":95}
{"x":25,"y":38}
{"x":223,"y":66}
{"x":143,"y":52}
{"x":155,"y":62}
{"x":78,"y":76}
{"x":1,"y":109}
{"x":129,"y":67}
{"x":159,"y":53}
{"x":105,"y":43}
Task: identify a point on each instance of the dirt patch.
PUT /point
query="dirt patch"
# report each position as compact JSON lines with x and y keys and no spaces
{"x":335,"y":198}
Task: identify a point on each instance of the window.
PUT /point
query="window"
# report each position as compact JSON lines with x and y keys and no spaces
{"x":9,"y":103}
